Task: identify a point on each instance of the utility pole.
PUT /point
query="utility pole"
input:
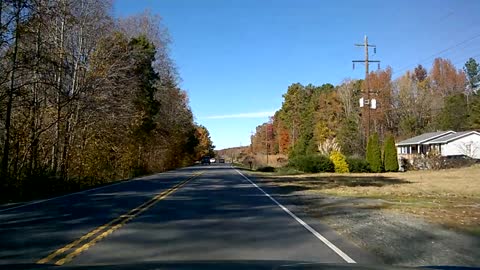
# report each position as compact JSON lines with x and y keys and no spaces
{"x":371,"y":104}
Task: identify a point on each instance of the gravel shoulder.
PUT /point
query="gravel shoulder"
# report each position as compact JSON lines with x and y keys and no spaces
{"x":395,"y":238}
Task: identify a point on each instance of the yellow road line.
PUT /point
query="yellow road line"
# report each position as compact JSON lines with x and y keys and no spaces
{"x":109,"y":227}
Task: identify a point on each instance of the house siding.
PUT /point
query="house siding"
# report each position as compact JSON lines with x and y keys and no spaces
{"x":468,"y":145}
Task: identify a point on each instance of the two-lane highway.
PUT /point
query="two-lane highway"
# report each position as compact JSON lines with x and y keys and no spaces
{"x":197,"y":213}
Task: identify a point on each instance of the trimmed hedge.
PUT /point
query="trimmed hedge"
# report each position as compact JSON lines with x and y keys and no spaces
{"x":358,"y":165}
{"x":312,"y":164}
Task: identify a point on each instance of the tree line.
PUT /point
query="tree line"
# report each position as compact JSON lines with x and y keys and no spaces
{"x":86,"y":98}
{"x":321,"y":119}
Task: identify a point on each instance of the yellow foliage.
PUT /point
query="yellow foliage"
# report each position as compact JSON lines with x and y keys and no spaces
{"x":339,"y":162}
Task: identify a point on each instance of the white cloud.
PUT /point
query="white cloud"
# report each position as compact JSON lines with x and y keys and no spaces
{"x":241,"y":115}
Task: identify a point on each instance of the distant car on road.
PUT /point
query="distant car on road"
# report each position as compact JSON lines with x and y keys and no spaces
{"x":221,"y":160}
{"x":212,"y":160}
{"x":206,"y":161}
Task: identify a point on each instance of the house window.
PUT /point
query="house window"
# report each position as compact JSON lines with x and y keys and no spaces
{"x":468,"y":149}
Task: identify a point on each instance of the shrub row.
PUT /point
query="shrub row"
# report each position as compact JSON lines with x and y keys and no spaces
{"x":357,"y":165}
{"x":312,"y":164}
{"x":337,"y":163}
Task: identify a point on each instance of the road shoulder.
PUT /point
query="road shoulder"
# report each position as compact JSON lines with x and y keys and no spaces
{"x":386,"y":236}
{"x":295,"y":204}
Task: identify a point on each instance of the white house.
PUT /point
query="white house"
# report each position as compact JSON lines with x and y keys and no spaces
{"x":466,"y":143}
{"x":445,"y":143}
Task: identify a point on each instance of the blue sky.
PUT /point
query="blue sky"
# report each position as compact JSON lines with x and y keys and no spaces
{"x":236,"y":58}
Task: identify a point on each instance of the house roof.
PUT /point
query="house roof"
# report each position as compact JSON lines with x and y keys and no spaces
{"x":425,"y":137}
{"x":451,"y":137}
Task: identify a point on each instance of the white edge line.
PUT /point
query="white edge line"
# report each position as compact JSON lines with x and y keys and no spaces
{"x":303,"y":223}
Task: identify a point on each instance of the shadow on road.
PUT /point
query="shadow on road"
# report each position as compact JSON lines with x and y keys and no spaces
{"x":218,"y":216}
{"x":33,"y":231}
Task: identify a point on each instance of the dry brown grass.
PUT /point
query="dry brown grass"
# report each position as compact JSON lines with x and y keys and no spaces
{"x":449,"y":197}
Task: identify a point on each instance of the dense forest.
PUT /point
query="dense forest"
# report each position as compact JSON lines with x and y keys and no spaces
{"x":319,"y":119}
{"x":86,"y":98}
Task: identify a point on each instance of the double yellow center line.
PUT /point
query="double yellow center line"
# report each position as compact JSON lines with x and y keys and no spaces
{"x":67,"y":253}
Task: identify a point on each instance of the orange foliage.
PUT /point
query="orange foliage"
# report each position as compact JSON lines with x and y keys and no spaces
{"x":380,"y":85}
{"x":283,"y":137}
{"x":445,"y":79}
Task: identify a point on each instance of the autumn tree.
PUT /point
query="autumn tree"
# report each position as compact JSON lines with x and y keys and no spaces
{"x":290,"y":113}
{"x":88,"y":97}
{"x":16,"y":14}
{"x":348,"y":132}
{"x":205,"y":146}
{"x":379,"y":83}
{"x":412,"y":103}
{"x":420,"y":74}
{"x":323,"y":119}
{"x":446,"y":79}
{"x":281,"y":134}
{"x":328,"y":112}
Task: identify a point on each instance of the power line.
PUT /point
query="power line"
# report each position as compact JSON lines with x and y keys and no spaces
{"x":463,"y":61}
{"x":438,"y":53}
{"x":457,"y":56}
{"x":463,"y":52}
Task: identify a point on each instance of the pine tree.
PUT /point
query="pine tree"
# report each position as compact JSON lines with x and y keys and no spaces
{"x":472,"y":71}
{"x":454,"y":115}
{"x":374,"y":155}
{"x":390,"y":160}
{"x":474,"y":117}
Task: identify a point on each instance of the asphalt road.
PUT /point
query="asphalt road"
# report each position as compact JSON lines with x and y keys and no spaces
{"x":197,"y":213}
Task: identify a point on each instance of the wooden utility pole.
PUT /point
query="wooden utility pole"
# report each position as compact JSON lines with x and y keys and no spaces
{"x":366,"y":93}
